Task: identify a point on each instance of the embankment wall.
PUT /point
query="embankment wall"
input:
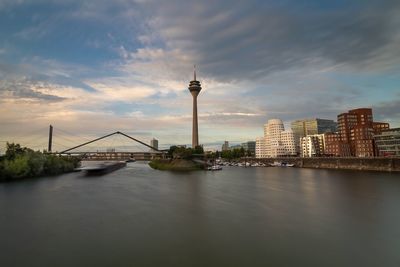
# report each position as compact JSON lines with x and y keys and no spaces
{"x":367,"y":164}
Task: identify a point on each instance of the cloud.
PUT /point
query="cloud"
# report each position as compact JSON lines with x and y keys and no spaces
{"x":23,"y":90}
{"x":117,"y":90}
{"x":125,"y":65}
{"x":251,"y":40}
{"x":388,"y":111}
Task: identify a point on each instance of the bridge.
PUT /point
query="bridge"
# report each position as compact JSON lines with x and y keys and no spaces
{"x":110,"y":154}
{"x":114,"y":146}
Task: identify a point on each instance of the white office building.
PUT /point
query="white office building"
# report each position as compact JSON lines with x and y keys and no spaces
{"x":260,"y":148}
{"x":288,"y":141}
{"x":154,"y":143}
{"x":312,"y":145}
{"x":276,"y":141}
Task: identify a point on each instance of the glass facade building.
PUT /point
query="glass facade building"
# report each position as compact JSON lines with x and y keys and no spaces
{"x":388,"y":143}
{"x":306,"y":127}
{"x":250,"y":146}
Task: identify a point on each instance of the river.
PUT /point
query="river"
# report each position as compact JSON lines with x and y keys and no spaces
{"x":137,"y":216}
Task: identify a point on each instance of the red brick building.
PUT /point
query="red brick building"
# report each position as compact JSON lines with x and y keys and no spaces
{"x":380,"y":126}
{"x":361,"y":140}
{"x":355,"y":136}
{"x":334,"y":147}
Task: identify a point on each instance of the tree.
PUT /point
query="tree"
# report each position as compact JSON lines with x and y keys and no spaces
{"x":15,"y":149}
{"x":198,"y":150}
{"x":171,"y":150}
{"x":182,"y":153}
{"x":36,"y":161}
{"x":233,"y":154}
{"x":20,"y":162}
{"x":17,"y":168}
{"x":227,"y":154}
{"x":242,"y":152}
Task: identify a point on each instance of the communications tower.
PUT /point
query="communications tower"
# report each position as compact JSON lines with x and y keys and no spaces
{"x":195,"y":88}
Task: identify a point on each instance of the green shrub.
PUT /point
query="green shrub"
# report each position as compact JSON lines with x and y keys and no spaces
{"x":20,"y":162}
{"x":36,"y":162}
{"x":17,"y":168}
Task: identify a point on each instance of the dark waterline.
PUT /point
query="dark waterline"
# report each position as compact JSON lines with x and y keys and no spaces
{"x":137,"y":216}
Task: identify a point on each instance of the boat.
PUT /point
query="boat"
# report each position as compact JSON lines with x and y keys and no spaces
{"x":288,"y":165}
{"x":282,"y":164}
{"x":215,"y":168}
{"x":276,"y":164}
{"x":130,"y":160}
{"x":102,"y":168}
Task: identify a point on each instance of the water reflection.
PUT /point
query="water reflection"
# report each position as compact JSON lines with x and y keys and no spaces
{"x":236,"y":217}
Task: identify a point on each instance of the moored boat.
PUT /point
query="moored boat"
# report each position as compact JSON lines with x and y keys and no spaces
{"x":215,"y":168}
{"x":281,"y":164}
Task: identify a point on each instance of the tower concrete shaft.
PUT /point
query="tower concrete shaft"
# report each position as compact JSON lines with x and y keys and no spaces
{"x":195,"y":126}
{"x":195,"y":88}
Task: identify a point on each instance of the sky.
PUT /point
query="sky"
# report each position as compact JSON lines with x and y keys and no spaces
{"x":94,"y":67}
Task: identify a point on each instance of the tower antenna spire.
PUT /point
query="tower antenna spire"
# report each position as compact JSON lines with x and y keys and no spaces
{"x":194,"y":73}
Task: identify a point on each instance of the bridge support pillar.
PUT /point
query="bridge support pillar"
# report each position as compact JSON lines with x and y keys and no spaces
{"x":50,"y":138}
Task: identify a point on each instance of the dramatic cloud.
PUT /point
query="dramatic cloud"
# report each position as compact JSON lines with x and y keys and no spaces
{"x":252,"y":39}
{"x":99,"y":66}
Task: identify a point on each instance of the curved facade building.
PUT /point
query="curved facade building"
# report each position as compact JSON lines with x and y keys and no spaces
{"x":276,"y":141}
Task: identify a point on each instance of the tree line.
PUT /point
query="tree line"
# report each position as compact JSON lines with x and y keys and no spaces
{"x":187,"y":153}
{"x":22,"y":162}
{"x":180,"y":152}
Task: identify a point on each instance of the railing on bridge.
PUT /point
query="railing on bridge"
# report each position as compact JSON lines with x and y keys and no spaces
{"x":112,"y":156}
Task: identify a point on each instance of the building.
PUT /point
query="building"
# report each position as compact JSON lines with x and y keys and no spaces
{"x":361,"y":141}
{"x":261,"y":148}
{"x":195,"y":88}
{"x":346,"y":121}
{"x":354,"y":126}
{"x":332,"y":144}
{"x":356,"y":130}
{"x":235,"y":147}
{"x":250,"y":146}
{"x":154,"y":143}
{"x":334,"y":147}
{"x":272,"y":133}
{"x":225,"y":146}
{"x":312,"y":145}
{"x":276,"y":141}
{"x":288,"y":141}
{"x":380,"y":126}
{"x":388,"y":143}
{"x":306,"y":127}
{"x":308,"y":146}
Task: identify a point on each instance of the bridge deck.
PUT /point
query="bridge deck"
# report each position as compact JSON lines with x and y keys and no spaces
{"x":116,"y":156}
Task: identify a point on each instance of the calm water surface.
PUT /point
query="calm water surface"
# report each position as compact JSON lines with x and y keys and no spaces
{"x":137,"y":216}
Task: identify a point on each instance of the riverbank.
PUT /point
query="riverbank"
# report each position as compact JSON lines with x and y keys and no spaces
{"x":175,"y":165}
{"x":363,"y":164}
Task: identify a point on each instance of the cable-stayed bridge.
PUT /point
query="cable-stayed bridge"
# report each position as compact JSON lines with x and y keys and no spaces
{"x":113,"y":146}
